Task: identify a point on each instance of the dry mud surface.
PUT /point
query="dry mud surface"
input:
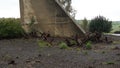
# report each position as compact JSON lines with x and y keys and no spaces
{"x":25,"y":53}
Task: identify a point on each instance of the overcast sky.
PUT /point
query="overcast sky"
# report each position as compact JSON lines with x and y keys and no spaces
{"x":91,"y":8}
{"x":85,"y":8}
{"x":9,"y":8}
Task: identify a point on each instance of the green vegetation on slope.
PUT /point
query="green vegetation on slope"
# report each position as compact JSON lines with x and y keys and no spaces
{"x":10,"y":28}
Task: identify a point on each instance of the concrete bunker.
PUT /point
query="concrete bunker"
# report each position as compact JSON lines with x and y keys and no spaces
{"x":50,"y":17}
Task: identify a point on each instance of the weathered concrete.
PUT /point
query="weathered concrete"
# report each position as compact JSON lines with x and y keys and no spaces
{"x":50,"y":17}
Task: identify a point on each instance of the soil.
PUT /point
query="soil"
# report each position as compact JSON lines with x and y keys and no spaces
{"x":26,"y":53}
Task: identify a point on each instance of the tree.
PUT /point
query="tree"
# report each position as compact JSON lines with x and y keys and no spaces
{"x":85,"y":24}
{"x":67,"y":5}
{"x":100,"y":24}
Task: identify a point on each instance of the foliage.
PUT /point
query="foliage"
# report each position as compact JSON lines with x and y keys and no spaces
{"x":85,"y":24}
{"x":73,"y":42}
{"x":67,"y":5}
{"x":10,"y":28}
{"x":63,"y":45}
{"x":42,"y":43}
{"x":100,"y":24}
{"x":115,"y":26}
{"x":109,"y":63}
{"x":88,"y":45}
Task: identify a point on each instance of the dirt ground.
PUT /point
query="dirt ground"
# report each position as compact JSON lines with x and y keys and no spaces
{"x":25,"y":53}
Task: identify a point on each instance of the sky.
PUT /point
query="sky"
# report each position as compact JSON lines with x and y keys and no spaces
{"x":92,"y":8}
{"x":85,"y":9}
{"x":9,"y":8}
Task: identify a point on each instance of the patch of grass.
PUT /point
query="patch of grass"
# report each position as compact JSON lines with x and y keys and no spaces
{"x":73,"y":42}
{"x":63,"y":45}
{"x":42,"y":43}
{"x":108,"y":63}
{"x":88,"y":45}
{"x":78,"y":49}
{"x":69,"y":48}
{"x":115,"y":26}
{"x":11,"y":28}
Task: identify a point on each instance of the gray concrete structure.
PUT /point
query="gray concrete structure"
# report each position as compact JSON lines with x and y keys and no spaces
{"x":50,"y":17}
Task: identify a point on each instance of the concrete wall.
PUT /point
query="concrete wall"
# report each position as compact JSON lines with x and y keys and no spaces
{"x":49,"y":17}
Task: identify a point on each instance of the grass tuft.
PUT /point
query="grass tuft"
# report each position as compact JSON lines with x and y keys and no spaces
{"x":63,"y":45}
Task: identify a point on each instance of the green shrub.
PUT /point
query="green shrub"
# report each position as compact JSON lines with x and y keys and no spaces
{"x":85,"y":24}
{"x":73,"y":42}
{"x":10,"y":28}
{"x":100,"y":24}
{"x":88,"y":45}
{"x":63,"y":45}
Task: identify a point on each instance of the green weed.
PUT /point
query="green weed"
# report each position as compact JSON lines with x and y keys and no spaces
{"x":63,"y":45}
{"x":73,"y":42}
{"x":88,"y":45}
{"x":11,"y":28}
{"x":108,"y":63}
{"x":42,"y":43}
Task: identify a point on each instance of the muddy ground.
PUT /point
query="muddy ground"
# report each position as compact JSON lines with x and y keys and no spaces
{"x":26,"y":53}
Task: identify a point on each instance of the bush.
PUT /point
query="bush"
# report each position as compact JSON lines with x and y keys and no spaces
{"x":100,"y":24}
{"x":10,"y":28}
{"x":88,"y":45}
{"x":85,"y":24}
{"x":42,"y":43}
{"x":63,"y":45}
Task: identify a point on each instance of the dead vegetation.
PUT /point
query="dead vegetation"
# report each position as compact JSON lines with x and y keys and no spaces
{"x":75,"y":40}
